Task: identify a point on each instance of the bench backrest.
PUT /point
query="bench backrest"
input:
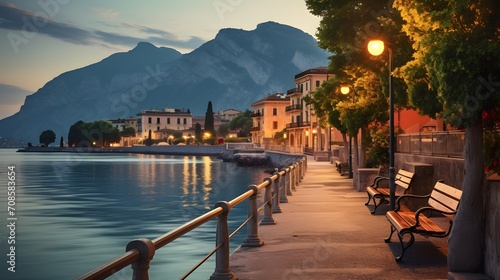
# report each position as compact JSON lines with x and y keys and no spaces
{"x":444,"y":197}
{"x":403,"y":178}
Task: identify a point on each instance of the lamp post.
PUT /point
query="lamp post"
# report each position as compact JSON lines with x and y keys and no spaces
{"x":376,"y":48}
{"x":345,"y":90}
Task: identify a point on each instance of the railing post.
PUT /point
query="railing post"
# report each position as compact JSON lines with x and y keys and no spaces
{"x":222,"y":271}
{"x":253,"y":239}
{"x":296,"y":176}
{"x":146,"y":250}
{"x":288,"y":181}
{"x":277,"y":193}
{"x":268,"y":199}
{"x":283,"y":187}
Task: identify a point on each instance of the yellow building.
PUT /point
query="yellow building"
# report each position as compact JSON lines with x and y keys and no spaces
{"x":304,"y":132}
{"x":268,"y":117}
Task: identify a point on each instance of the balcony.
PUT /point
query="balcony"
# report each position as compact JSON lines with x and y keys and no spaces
{"x":257,"y":128}
{"x":257,"y":114}
{"x":293,"y":107}
{"x":293,"y":91}
{"x":298,"y":124}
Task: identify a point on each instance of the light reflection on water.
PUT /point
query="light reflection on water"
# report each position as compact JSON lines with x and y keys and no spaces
{"x":78,"y":211}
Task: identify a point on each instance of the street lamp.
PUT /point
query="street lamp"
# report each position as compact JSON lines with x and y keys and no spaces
{"x":376,"y":47}
{"x":345,"y":90}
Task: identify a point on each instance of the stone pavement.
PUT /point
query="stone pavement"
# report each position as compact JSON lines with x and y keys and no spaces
{"x":326,"y":232}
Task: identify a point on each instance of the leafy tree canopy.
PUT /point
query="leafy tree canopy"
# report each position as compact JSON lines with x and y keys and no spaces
{"x":47,"y":137}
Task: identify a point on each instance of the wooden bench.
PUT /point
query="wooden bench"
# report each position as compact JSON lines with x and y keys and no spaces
{"x":402,"y":180}
{"x":444,"y":199}
{"x":342,"y":168}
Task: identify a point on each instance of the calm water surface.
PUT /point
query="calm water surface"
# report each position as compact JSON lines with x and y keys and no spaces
{"x":77,"y":211}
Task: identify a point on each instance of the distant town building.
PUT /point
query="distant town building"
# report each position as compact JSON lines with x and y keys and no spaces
{"x":228,"y":114}
{"x":268,"y":117}
{"x":155,"y":123}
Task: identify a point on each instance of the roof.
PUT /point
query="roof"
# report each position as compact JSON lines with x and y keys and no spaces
{"x":274,"y":97}
{"x":317,"y":70}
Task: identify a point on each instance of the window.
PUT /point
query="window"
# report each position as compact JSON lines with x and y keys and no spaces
{"x":307,"y":86}
{"x":178,"y":120}
{"x":275,"y":111}
{"x":317,"y":83}
{"x":149,"y":120}
{"x":157,"y":120}
{"x":275,"y":125}
{"x":185,"y":121}
{"x":168,"y":120}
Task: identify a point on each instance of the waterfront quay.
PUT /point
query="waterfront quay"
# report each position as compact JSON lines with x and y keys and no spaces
{"x":325,"y":231}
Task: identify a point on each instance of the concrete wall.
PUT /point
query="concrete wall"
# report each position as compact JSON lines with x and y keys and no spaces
{"x":450,"y":170}
{"x":283,"y":159}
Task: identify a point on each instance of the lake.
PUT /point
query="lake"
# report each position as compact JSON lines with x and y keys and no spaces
{"x":76,"y":211}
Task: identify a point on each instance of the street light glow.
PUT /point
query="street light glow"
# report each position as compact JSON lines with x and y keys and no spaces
{"x":344,"y":89}
{"x":376,"y":47}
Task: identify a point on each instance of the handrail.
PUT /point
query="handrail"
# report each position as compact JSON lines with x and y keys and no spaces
{"x":141,"y":251}
{"x":441,"y":143}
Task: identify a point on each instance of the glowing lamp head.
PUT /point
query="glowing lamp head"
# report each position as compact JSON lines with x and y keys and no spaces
{"x":344,"y":89}
{"x":376,"y":47}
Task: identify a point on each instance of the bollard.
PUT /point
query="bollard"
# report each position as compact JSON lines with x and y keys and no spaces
{"x":253,"y":239}
{"x":146,"y":250}
{"x":268,"y":198}
{"x":283,"y":187}
{"x":222,"y":270}
{"x":277,"y":193}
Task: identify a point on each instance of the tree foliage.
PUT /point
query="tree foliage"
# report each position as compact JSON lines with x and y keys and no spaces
{"x":457,"y":65}
{"x":209,"y":120}
{"x":47,"y":137}
{"x":97,"y":133}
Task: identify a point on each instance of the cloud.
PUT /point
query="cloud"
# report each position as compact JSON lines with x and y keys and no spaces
{"x":26,"y":23}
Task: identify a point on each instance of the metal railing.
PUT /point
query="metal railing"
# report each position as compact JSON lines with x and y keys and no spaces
{"x":443,"y":143}
{"x":140,"y":252}
{"x":293,"y":107}
{"x":298,"y":124}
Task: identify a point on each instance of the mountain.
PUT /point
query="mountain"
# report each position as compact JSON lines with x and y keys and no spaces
{"x":11,"y":96}
{"x":233,"y":70}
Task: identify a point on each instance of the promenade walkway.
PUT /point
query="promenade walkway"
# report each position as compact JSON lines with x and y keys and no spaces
{"x":326,"y":232}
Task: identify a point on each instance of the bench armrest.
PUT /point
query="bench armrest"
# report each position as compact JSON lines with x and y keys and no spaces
{"x":431,"y":209}
{"x":398,"y":201}
{"x":378,"y":179}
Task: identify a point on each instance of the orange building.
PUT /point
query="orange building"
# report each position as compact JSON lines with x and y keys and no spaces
{"x":268,"y":117}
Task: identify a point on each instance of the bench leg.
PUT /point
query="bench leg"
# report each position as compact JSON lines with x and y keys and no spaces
{"x":404,"y":246}
{"x":388,"y":239}
{"x":369,"y":198}
{"x":381,"y":200}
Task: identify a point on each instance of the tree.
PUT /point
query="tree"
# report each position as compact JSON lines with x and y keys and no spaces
{"x":47,"y":137}
{"x":209,"y":120}
{"x":457,"y":63}
{"x":197,"y":133}
{"x":76,"y":137}
{"x":128,"y":132}
{"x":353,"y":66}
{"x":61,"y":142}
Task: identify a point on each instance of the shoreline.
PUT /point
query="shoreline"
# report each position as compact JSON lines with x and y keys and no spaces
{"x":161,"y":150}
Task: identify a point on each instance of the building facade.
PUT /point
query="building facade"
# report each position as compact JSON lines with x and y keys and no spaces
{"x":268,"y":117}
{"x":153,"y":123}
{"x":304,"y":131}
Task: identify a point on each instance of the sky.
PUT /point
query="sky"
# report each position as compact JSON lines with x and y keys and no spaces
{"x":42,"y":39}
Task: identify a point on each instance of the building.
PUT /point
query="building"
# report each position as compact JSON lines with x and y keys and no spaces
{"x":227,"y":115}
{"x":153,"y":123}
{"x":268,"y":117}
{"x":304,"y":132}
